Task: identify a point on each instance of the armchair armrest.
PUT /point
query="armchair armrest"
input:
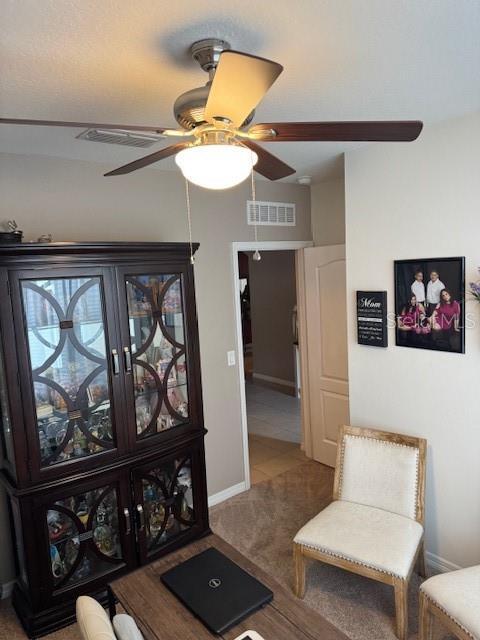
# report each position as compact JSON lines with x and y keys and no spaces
{"x":126,"y":628}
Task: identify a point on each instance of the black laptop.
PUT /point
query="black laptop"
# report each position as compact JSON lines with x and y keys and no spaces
{"x":216,"y":590}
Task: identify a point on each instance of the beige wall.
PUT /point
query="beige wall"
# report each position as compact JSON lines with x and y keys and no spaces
{"x":272,"y":298}
{"x":73,"y":201}
{"x":328,"y":212}
{"x":421,"y":200}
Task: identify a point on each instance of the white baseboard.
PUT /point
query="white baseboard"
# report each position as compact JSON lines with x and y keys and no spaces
{"x":436,"y":564}
{"x":280,"y":381}
{"x":6,"y":589}
{"x":221,"y":496}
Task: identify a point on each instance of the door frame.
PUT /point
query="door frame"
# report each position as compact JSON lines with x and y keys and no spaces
{"x":275,"y":245}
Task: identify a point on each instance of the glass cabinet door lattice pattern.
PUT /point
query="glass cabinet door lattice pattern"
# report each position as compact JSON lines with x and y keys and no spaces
{"x":157,"y":338}
{"x":167,"y":502}
{"x":67,"y":349}
{"x":84,"y":537}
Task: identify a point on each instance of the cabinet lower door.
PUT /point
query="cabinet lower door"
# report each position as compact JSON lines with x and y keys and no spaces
{"x":170,"y":503}
{"x":85,"y":535}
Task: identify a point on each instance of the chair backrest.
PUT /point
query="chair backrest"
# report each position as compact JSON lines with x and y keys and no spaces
{"x":381,"y":469}
{"x":93,"y":620}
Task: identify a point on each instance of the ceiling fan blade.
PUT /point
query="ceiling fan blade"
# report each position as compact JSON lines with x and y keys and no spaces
{"x":387,"y":131}
{"x":239,"y":83}
{"x":268,"y":165}
{"x":82,"y":125}
{"x":146,"y":160}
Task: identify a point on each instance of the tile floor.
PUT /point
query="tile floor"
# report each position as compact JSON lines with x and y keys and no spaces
{"x":272,"y":414}
{"x":269,"y":457}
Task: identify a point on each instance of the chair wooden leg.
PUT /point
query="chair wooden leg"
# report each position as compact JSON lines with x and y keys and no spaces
{"x":401,"y":608}
{"x":299,"y":562}
{"x":421,"y":561}
{"x":425,"y":620}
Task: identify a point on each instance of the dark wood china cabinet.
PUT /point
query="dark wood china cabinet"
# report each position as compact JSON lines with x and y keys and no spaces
{"x":101,"y":413}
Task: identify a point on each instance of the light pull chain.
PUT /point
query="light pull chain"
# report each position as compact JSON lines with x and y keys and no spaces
{"x":189,"y":218}
{"x":256,"y":256}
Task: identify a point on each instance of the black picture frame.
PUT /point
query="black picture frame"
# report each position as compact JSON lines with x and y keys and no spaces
{"x":426,"y":324}
{"x":372,"y":330}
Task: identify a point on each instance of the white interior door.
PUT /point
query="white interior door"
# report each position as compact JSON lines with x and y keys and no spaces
{"x":325,"y":343}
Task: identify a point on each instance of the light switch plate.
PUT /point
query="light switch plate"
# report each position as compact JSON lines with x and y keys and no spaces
{"x":231,"y":358}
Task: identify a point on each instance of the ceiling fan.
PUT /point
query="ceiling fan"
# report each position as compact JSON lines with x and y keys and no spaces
{"x":218,"y":144}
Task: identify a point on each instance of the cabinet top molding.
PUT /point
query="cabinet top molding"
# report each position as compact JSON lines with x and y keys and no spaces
{"x":59,"y":248}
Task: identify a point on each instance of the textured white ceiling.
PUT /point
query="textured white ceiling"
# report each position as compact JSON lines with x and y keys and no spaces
{"x":126,"y":61}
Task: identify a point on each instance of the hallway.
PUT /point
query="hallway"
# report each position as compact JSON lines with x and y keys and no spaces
{"x":273,"y":414}
{"x":274,"y":432}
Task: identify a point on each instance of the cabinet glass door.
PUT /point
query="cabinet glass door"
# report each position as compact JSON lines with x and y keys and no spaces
{"x":67,"y":348}
{"x":84,"y":536}
{"x":166,"y":503}
{"x":157,"y":344}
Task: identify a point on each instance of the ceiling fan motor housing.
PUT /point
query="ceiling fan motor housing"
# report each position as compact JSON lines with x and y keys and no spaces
{"x":189,"y":107}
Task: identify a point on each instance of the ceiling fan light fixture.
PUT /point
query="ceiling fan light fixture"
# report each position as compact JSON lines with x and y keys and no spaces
{"x":216,"y":166}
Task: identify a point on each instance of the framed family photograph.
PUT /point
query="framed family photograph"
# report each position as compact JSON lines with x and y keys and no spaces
{"x":430,"y":304}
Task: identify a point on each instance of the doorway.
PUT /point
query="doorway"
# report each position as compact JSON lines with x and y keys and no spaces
{"x":269,"y":360}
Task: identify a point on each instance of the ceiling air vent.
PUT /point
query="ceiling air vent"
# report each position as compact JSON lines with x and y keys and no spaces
{"x":125,"y":138}
{"x":274,"y":214}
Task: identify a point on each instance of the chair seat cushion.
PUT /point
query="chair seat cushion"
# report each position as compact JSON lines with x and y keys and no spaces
{"x":364,"y":535}
{"x":457,"y":593}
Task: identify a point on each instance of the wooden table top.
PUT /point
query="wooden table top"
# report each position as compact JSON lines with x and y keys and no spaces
{"x":161,"y":616}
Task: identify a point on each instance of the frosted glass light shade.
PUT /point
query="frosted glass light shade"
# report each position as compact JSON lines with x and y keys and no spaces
{"x":216,"y":166}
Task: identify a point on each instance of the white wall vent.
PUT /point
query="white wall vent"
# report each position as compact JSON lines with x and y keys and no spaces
{"x":125,"y":138}
{"x":274,"y":214}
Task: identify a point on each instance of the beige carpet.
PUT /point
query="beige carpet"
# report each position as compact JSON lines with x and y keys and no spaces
{"x":261,"y":524}
{"x":10,"y":628}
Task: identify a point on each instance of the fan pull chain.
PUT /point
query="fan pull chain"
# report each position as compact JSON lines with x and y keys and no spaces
{"x":189,"y":219}
{"x":256,"y":256}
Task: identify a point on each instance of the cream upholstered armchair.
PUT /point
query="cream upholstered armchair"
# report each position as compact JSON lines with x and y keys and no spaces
{"x":95,"y":624}
{"x":374,"y":526}
{"x":454,"y":600}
